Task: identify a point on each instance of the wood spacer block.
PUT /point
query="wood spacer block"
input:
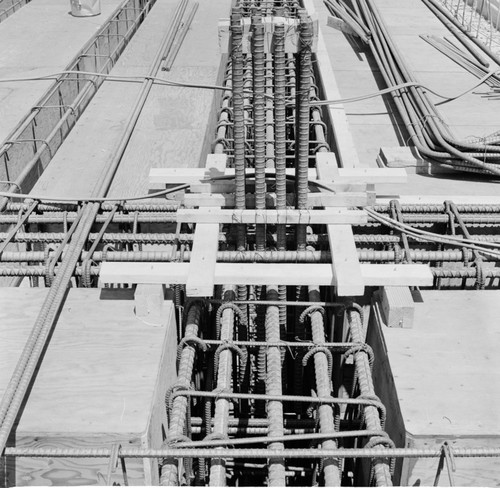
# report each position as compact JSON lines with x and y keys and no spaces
{"x":398,"y":306}
{"x":200,"y":282}
{"x":149,"y":300}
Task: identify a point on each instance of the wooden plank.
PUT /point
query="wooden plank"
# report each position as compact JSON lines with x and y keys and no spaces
{"x":397,"y":306}
{"x":346,"y":268}
{"x":440,"y":199}
{"x":289,"y":216}
{"x":167,"y":176}
{"x":149,"y":302}
{"x":105,"y":366}
{"x":200,"y":282}
{"x":347,"y":199}
{"x":345,"y":263}
{"x":397,"y":275}
{"x":265,"y":274}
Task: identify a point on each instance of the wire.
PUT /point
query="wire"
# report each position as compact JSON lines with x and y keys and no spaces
{"x":92,"y":199}
{"x":408,"y":85}
{"x":163,"y":81}
{"x":125,"y":79}
{"x":422,"y":235}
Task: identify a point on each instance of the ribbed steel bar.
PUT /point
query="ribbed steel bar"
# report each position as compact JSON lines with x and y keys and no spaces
{"x":331,"y":466}
{"x":381,"y":469}
{"x":302,"y":113}
{"x":177,"y":418}
{"x":168,"y":238}
{"x":238,"y":117}
{"x":274,"y":387}
{"x":476,"y":220}
{"x":280,"y":127}
{"x":259,"y":123}
{"x":224,"y":383}
{"x":451,"y":255}
{"x":307,"y":453}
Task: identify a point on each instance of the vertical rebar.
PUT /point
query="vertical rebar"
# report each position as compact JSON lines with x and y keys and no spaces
{"x":280,"y":127}
{"x":274,"y":387}
{"x":259,"y":124}
{"x":177,"y":420}
{"x":331,"y":466}
{"x":238,"y":117}
{"x":365,"y":381}
{"x":222,"y":406}
{"x":280,"y":145}
{"x":303,"y":80}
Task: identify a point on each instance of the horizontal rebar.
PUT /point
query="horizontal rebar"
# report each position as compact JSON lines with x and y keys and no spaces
{"x":307,"y":453}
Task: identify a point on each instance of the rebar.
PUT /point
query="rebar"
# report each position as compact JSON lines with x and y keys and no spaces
{"x":331,"y":466}
{"x":177,"y":418}
{"x":224,"y":383}
{"x":303,"y":80}
{"x":238,"y":117}
{"x":274,"y":387}
{"x":364,"y":378}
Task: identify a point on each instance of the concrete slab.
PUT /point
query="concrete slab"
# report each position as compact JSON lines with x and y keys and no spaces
{"x":41,"y":38}
{"x":446,"y":375}
{"x":373,"y":122}
{"x":172,"y":128}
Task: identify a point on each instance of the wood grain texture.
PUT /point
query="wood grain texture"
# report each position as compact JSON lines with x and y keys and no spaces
{"x":265,"y":274}
{"x":345,"y":263}
{"x":445,"y":371}
{"x":179,"y":175}
{"x":102,"y":381}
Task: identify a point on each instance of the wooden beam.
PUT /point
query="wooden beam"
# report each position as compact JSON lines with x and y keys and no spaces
{"x":289,"y":216}
{"x":398,"y":306}
{"x":265,"y":274}
{"x":440,"y":199}
{"x":345,"y":263}
{"x":169,"y":176}
{"x":200,"y":282}
{"x":346,"y":199}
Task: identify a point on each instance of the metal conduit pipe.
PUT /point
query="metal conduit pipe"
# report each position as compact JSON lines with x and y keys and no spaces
{"x":222,"y":406}
{"x":274,"y":387}
{"x":362,"y":367}
{"x":442,"y":14}
{"x":418,"y":101}
{"x":177,"y":418}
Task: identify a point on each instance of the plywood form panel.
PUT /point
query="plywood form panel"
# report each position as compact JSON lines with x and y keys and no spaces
{"x":102,"y":381}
